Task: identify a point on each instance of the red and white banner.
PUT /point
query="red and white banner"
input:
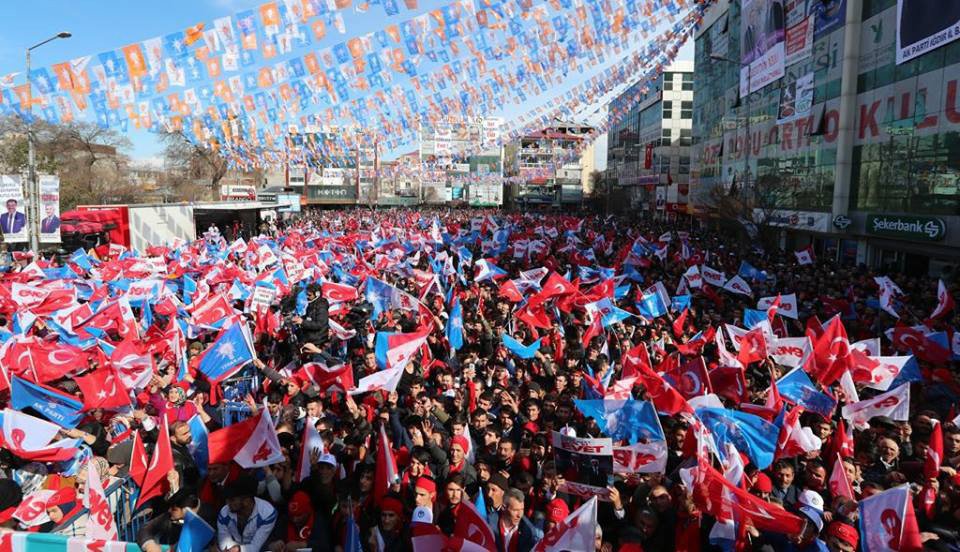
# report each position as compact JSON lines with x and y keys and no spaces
{"x":100,"y":523}
{"x":576,"y":532}
{"x":790,"y":351}
{"x":385,"y":380}
{"x":894,"y":403}
{"x":640,"y":458}
{"x":262,"y":448}
{"x":738,"y":285}
{"x":713,"y":277}
{"x":892,"y":521}
{"x":788,"y":305}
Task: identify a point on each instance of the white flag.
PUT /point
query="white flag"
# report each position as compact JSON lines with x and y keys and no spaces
{"x":576,"y":532}
{"x":100,"y":523}
{"x":738,"y":285}
{"x":262,"y":448}
{"x":713,"y":277}
{"x":894,"y":403}
{"x":788,"y":305}
{"x":385,"y":380}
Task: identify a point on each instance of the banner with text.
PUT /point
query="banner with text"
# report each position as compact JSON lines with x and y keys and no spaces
{"x":13,"y":220}
{"x":762,"y":49}
{"x":49,"y":209}
{"x":924,"y":26}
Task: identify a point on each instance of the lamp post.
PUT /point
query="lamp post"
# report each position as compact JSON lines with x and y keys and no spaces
{"x":746,"y":104}
{"x":33,"y":191}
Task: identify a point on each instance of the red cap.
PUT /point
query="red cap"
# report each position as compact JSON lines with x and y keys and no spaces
{"x":844,"y":532}
{"x":557,"y":510}
{"x":460,"y":440}
{"x":531,"y":427}
{"x":763,"y":483}
{"x":299,"y":504}
{"x":427,"y":484}
{"x":391,"y":504}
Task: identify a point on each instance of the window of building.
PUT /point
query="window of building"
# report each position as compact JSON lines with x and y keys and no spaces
{"x":686,"y":137}
{"x":686,"y":110}
{"x":668,"y":81}
{"x":687,"y":81}
{"x":668,"y":110}
{"x":667,"y":136}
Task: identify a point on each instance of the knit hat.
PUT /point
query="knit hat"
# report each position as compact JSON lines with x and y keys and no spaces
{"x":460,"y":440}
{"x":763,"y":483}
{"x":844,"y":532}
{"x":427,"y":484}
{"x":299,"y":504}
{"x":557,"y":510}
{"x":391,"y":504}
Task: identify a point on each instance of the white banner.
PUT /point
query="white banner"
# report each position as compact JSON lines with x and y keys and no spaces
{"x":640,"y":458}
{"x":788,"y":305}
{"x":790,"y":351}
{"x":762,"y":50}
{"x":924,"y":26}
{"x":49,"y":209}
{"x":13,"y":220}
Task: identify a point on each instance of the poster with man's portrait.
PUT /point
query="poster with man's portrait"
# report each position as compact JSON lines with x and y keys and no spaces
{"x":924,"y":26}
{"x":762,"y":49}
{"x":49,"y":209}
{"x":13,"y":219}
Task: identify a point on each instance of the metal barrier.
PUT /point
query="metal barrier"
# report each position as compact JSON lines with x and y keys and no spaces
{"x":121,"y":495}
{"x":232,"y":412}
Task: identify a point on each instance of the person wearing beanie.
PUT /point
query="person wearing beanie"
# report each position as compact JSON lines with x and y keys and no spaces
{"x":842,"y":537}
{"x":246,"y":522}
{"x":425,"y":494}
{"x":458,"y":460}
{"x":389,"y":535}
{"x":557,"y":511}
{"x":299,"y":524}
{"x":762,"y":486}
{"x":496,"y":487}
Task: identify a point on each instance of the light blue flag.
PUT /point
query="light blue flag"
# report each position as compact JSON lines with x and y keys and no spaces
{"x":631,"y":419}
{"x":753,"y":318}
{"x":455,"y":326}
{"x":195,"y":535}
{"x":797,"y":388}
{"x":519,"y":349}
{"x":198,"y":445}
{"x":753,"y":435}
{"x":651,"y":306}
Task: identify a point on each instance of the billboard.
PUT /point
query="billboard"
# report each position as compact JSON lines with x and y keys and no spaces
{"x":924,"y":26}
{"x":13,"y":220}
{"x":49,"y":209}
{"x":762,"y":49}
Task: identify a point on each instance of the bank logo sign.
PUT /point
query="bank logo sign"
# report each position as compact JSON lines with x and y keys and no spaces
{"x":907,"y":227}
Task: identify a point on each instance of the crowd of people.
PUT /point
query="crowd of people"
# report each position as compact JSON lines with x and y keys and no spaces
{"x":381,"y":380}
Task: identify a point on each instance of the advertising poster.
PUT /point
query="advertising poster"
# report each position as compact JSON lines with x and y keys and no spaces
{"x":762,"y":49}
{"x":799,"y":41}
{"x":924,"y":26}
{"x":49,"y":209}
{"x":796,"y":99}
{"x":585,"y":462}
{"x":13,"y":220}
{"x":830,"y":15}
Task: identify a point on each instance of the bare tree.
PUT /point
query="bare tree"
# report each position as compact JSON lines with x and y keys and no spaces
{"x":194,"y":162}
{"x":753,"y":206}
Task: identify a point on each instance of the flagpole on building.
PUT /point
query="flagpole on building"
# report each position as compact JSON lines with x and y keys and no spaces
{"x":32,"y":192}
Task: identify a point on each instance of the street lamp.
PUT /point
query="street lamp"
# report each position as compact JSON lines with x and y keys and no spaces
{"x":33,"y":192}
{"x":746,"y":142}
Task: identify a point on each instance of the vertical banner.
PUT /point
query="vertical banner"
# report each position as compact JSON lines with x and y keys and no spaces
{"x":830,"y":14}
{"x":796,"y":99}
{"x":762,"y":49}
{"x":924,"y":26}
{"x":49,"y":209}
{"x":13,"y":220}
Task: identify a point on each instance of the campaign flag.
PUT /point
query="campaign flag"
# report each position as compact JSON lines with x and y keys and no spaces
{"x":753,"y":435}
{"x":519,"y":349}
{"x":640,"y":458}
{"x":455,"y":326}
{"x":894,"y":404}
{"x":713,"y":277}
{"x":787,"y":307}
{"x":102,"y":388}
{"x":805,"y":256}
{"x":196,"y":533}
{"x":55,"y":405}
{"x":738,"y":285}
{"x":232,"y":350}
{"x":384,"y":297}
{"x":396,"y":349}
{"x":32,"y":438}
{"x":839,"y":483}
{"x":651,"y":306}
{"x":797,"y":389}
{"x":888,"y":522}
{"x":311,"y":444}
{"x":263,"y":447}
{"x":794,"y":439}
{"x":945,"y":302}
{"x":680,"y":303}
{"x":384,"y":380}
{"x":693,"y":277}
{"x":726,"y":501}
{"x":155,"y":480}
{"x":386,"y":473}
{"x":576,"y":532}
{"x":486,"y":270}
{"x":876,"y":372}
{"x":339,"y":377}
{"x":628,"y":420}
{"x":753,"y":318}
{"x":751,"y":272}
{"x":100,"y":523}
{"x":199,"y":445}
{"x":931,"y":468}
{"x":790,"y":351}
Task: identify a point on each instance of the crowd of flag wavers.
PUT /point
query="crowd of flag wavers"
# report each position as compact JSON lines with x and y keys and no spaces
{"x":477,"y":380}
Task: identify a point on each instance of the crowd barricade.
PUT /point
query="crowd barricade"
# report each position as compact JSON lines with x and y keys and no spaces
{"x":121,"y":494}
{"x":232,"y":412}
{"x":21,"y":541}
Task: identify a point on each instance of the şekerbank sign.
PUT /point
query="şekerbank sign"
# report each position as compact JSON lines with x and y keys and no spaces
{"x":907,"y":227}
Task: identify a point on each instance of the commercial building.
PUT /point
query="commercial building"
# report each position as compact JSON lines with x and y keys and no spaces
{"x":837,"y":135}
{"x":462,"y":162}
{"x":648,"y":150}
{"x":551,"y":167}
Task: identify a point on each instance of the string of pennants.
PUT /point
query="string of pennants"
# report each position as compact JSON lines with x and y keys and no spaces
{"x":242,"y":83}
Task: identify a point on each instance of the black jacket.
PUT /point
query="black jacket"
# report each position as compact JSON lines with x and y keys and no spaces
{"x":315,"y":327}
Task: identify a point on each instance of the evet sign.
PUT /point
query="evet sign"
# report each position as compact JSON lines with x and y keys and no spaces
{"x":595,"y":447}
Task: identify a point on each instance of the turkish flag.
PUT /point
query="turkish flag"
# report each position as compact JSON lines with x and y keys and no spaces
{"x":634,"y":360}
{"x":386,"y":472}
{"x":664,"y":396}
{"x":593,"y":330}
{"x":720,"y":498}
{"x":510,"y":291}
{"x":691,"y":378}
{"x":335,"y":292}
{"x":138,"y":460}
{"x":679,"y":323}
{"x":155,"y":481}
{"x":931,"y":469}
{"x":831,"y":353}
{"x":729,"y":382}
{"x":53,"y":360}
{"x":753,"y":347}
{"x":102,"y":388}
{"x":214,"y":309}
{"x":472,"y":526}
{"x":535,"y":317}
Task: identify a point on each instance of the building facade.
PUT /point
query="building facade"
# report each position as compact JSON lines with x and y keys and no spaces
{"x":552,"y":167}
{"x":648,"y":150}
{"x":846,"y":149}
{"x":462,"y":162}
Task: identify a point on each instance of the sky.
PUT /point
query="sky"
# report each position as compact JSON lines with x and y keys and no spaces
{"x":100,"y":25}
